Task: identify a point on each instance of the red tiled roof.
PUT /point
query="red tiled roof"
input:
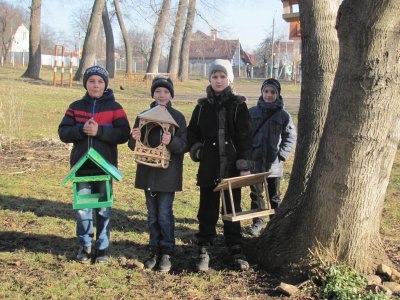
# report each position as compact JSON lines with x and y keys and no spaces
{"x":203,"y":46}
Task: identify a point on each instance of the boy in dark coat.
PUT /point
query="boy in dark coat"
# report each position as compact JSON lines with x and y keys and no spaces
{"x":159,"y":184}
{"x":219,"y":138}
{"x":274,"y":137}
{"x":97,"y":121}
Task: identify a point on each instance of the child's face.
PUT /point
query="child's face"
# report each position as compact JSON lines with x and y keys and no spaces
{"x":219,"y":81}
{"x":162,"y":96}
{"x":95,"y":86}
{"x":269,"y":94}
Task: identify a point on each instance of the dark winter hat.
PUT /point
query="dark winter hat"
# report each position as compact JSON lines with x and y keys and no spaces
{"x":95,"y":70}
{"x":272,"y":83}
{"x":223,"y":66}
{"x":162,"y":81}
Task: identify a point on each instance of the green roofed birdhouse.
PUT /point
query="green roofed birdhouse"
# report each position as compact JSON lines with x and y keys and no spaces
{"x":90,"y":168}
{"x":152,"y":124}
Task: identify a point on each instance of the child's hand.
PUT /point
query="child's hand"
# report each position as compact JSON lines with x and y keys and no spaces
{"x":136,"y":134}
{"x":90,"y":128}
{"x":166,"y":138}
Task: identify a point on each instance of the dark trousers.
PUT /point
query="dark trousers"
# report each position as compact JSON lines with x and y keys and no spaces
{"x":208,"y":215}
{"x":257,"y":197}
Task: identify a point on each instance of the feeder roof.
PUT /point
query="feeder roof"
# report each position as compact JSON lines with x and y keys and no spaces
{"x":158,"y":113}
{"x":99,"y":161}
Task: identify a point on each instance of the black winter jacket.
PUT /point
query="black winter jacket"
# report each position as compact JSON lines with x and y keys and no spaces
{"x":274,"y":140}
{"x":219,"y":136}
{"x":113,"y":127}
{"x":158,"y":179}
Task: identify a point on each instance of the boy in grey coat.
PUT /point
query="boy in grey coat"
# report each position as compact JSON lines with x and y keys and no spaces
{"x":274,"y":137}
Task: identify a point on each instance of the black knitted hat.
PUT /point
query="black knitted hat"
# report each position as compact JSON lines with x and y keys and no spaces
{"x":162,"y":81}
{"x":273,"y":83}
{"x":95,"y":70}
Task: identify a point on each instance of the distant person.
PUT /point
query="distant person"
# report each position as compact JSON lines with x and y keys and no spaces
{"x":248,"y":70}
{"x":159,"y":184}
{"x":219,"y":138}
{"x":97,"y":121}
{"x":274,"y":137}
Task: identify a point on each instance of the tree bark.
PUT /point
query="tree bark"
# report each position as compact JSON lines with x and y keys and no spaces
{"x":35,"y":53}
{"x":110,"y":46}
{"x":125,"y":35}
{"x":342,"y":205}
{"x":176,"y":41}
{"x":187,"y":35}
{"x":158,"y":37}
{"x":320,"y":53}
{"x":89,"y":45}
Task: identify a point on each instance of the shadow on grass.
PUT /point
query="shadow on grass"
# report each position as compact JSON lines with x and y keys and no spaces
{"x":122,"y":220}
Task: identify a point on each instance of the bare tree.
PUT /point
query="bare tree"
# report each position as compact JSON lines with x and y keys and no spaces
{"x":142,"y":46}
{"x":187,"y":34}
{"x":35,"y":53}
{"x":89,"y":45}
{"x":110,"y":46}
{"x":158,"y":37}
{"x":342,"y":203}
{"x":125,"y":35}
{"x":176,"y":41}
{"x":10,"y":18}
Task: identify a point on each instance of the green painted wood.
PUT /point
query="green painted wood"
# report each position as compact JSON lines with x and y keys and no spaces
{"x":99,"y":161}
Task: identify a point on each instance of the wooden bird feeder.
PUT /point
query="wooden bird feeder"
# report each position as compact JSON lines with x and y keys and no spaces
{"x":92,"y":167}
{"x":242,"y":181}
{"x":146,"y":152}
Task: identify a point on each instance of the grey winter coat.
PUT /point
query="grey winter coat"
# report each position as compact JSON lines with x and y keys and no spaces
{"x":274,"y":140}
{"x":169,"y":179}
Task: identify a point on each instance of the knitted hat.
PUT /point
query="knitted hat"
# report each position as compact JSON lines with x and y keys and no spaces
{"x":95,"y":70}
{"x":162,"y":81}
{"x":271,"y":82}
{"x":222,"y":65}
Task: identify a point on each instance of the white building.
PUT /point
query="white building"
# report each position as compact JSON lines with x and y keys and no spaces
{"x":20,"y":42}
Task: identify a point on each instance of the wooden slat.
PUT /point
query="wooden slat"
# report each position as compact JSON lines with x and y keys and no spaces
{"x":241,"y":181}
{"x":246,"y":215}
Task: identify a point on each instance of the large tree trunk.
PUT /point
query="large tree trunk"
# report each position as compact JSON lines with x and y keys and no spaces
{"x":320,"y":53}
{"x":158,"y":37}
{"x":35,"y":53}
{"x":125,"y":35}
{"x":110,"y":47}
{"x":89,"y":45}
{"x":187,"y":35}
{"x":342,"y":205}
{"x":176,"y":41}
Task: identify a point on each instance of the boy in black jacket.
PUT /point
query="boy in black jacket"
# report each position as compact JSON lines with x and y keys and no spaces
{"x":97,"y":121}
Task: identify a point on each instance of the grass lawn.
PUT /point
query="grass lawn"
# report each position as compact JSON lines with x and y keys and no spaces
{"x":37,"y":223}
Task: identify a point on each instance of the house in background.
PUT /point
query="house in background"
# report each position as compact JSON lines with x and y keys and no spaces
{"x":20,"y":40}
{"x":206,"y":48}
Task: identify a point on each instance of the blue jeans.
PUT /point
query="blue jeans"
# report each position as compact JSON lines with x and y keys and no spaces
{"x":161,"y":219}
{"x":84,"y":218}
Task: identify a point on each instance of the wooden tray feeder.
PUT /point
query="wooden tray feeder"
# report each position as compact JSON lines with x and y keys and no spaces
{"x":92,"y":167}
{"x":242,"y":181}
{"x":157,"y":156}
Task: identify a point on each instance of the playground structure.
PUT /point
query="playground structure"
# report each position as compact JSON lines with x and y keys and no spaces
{"x":55,"y":64}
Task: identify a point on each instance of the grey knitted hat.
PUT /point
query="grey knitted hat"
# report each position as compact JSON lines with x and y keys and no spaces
{"x":222,"y":65}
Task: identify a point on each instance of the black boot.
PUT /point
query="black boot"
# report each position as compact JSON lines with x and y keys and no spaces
{"x":151,"y":261}
{"x":101,"y":256}
{"x":84,"y":254}
{"x":239,"y":261}
{"x":202,"y":260}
